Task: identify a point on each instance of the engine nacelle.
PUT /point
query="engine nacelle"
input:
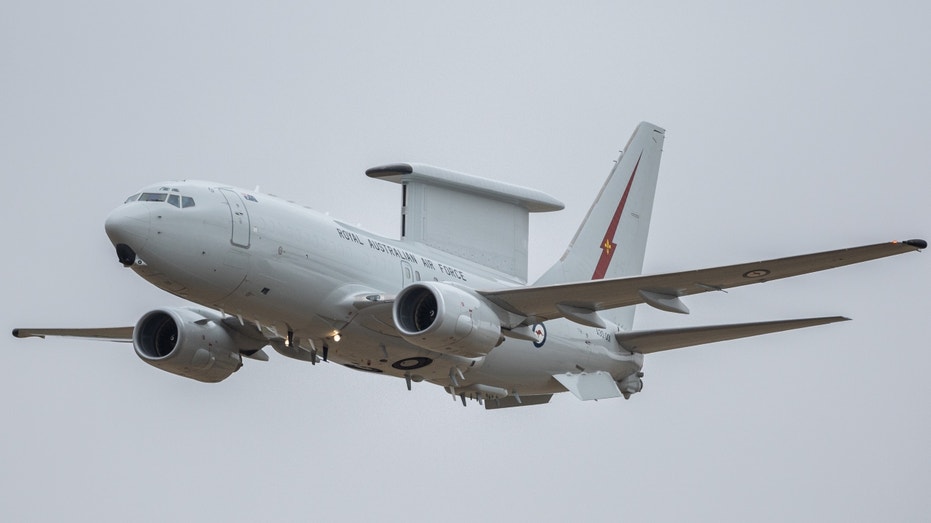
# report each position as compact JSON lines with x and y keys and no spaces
{"x":190,"y":343}
{"x":441,"y":317}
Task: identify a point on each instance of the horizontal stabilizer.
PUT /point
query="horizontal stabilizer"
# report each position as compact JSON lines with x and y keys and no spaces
{"x":646,"y":342}
{"x":590,"y":385}
{"x":123,"y":334}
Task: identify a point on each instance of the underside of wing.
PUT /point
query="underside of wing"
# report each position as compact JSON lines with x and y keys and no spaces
{"x":647,"y":342}
{"x":120,"y":334}
{"x":573,"y":300}
{"x":377,"y":317}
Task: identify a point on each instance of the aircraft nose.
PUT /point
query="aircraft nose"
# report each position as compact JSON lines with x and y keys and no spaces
{"x":128,"y":229}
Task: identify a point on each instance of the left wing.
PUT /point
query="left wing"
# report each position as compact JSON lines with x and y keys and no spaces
{"x":578,"y":301}
{"x":120,"y":334}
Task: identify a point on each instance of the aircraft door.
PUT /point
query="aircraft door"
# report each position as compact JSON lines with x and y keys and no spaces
{"x":241,"y":233}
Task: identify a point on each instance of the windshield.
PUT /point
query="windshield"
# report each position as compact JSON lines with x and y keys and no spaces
{"x":172,"y":198}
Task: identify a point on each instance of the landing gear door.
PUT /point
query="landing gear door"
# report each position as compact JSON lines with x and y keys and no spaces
{"x":240,"y":217}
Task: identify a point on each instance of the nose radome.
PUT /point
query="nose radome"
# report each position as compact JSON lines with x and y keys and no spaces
{"x":128,"y":226}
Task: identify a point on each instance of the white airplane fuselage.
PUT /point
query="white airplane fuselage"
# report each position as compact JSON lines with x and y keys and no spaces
{"x":303,"y":277}
{"x":448,"y":303}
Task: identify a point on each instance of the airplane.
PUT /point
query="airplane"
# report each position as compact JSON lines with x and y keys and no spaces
{"x":448,"y":302}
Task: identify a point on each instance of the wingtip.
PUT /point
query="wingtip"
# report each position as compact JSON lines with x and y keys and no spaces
{"x":917,"y":243}
{"x":17,"y":333}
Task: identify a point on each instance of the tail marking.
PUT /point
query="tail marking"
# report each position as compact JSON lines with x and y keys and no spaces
{"x":608,"y":246}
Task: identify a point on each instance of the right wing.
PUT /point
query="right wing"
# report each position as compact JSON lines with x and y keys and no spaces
{"x":125,"y":335}
{"x":120,"y":334}
{"x":575,"y":300}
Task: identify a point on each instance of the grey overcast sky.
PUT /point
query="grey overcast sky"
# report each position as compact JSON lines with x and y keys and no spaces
{"x":792,"y":127}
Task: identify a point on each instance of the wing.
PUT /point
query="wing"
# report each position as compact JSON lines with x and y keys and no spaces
{"x":120,"y":334}
{"x":578,"y":301}
{"x":647,"y":342}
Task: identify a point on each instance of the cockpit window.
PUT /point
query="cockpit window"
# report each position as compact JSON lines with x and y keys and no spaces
{"x":153,"y":197}
{"x":172,"y":198}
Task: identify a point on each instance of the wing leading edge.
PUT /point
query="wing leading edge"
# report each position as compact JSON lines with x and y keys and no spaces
{"x":663,"y":290}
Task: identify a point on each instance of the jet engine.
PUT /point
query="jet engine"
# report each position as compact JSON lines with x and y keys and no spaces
{"x":444,"y":318}
{"x":191,"y":343}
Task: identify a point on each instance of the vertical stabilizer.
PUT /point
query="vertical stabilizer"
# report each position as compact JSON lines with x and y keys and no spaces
{"x":612,"y":239}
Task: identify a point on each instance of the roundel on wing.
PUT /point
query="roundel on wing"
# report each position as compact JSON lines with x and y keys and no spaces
{"x":412,"y":363}
{"x":539,"y":332}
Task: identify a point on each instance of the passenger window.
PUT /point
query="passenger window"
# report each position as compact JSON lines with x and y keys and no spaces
{"x":174,"y":199}
{"x":187,"y":201}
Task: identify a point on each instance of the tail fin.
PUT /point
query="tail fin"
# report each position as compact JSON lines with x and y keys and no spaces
{"x":612,"y":240}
